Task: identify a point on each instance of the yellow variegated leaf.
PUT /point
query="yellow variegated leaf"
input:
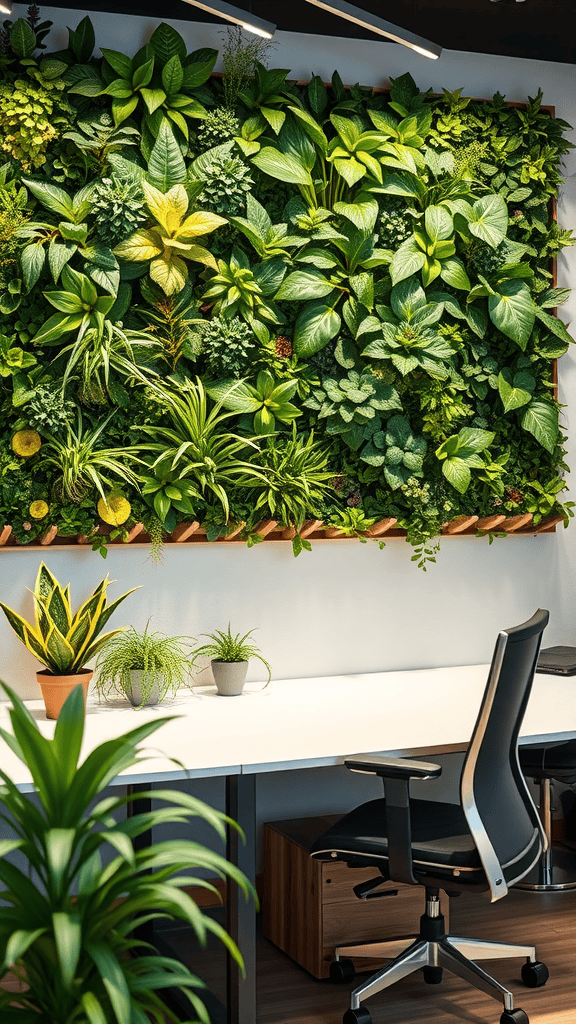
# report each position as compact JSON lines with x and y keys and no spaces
{"x":43,"y":620}
{"x":178,"y":196}
{"x":200,"y":223}
{"x":80,"y":633}
{"x":19,"y":625}
{"x":202,"y":255}
{"x":59,"y":651}
{"x":45,"y":582}
{"x":92,"y":603}
{"x":169,"y":274}
{"x":35,"y":645}
{"x":158,"y":204}
{"x":173,"y":243}
{"x":58,"y":609}
{"x":142,"y":245}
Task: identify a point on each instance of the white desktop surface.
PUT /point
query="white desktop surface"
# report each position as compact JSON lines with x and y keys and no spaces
{"x":297,"y":723}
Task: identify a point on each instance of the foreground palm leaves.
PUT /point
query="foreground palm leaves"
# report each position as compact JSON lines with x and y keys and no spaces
{"x":67,"y":926}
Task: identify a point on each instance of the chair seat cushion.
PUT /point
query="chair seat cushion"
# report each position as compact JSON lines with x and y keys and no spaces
{"x":550,"y":761}
{"x":440,"y":834}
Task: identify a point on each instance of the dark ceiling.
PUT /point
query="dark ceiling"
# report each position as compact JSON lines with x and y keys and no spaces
{"x":533,"y":29}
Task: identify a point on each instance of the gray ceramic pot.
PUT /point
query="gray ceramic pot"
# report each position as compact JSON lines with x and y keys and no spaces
{"x":229,"y":677}
{"x":135,"y":697}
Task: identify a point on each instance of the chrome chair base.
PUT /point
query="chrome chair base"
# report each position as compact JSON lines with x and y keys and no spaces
{"x":554,"y":872}
{"x":451,"y":952}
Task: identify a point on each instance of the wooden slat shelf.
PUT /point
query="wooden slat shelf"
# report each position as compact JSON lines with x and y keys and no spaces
{"x":269,"y":530}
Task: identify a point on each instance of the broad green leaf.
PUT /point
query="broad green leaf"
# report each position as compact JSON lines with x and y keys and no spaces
{"x":121,"y":64}
{"x":438,"y":223}
{"x":166,"y":43}
{"x":457,"y":473}
{"x":304,"y":284}
{"x":22,"y":38}
{"x":65,"y":302}
{"x":68,"y":936}
{"x":541,"y":420}
{"x":407,"y":260}
{"x":489,"y":220}
{"x":52,"y":197}
{"x":312,"y":128}
{"x":452,"y":271}
{"x":512,"y":311}
{"x":170,"y":274}
{"x":32,"y":259}
{"x":172,"y":75}
{"x":166,"y":165}
{"x":517,"y":392}
{"x":316,"y":325}
{"x":93,"y":1008}
{"x":282,"y":166}
{"x":363,"y":212}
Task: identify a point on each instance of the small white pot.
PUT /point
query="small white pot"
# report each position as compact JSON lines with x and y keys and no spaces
{"x":229,"y":677}
{"x":135,"y":696}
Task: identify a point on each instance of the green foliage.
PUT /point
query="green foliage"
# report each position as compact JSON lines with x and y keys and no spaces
{"x":68,"y":928}
{"x":226,"y":646}
{"x":119,"y":209}
{"x":163,"y":660}
{"x":227,"y":346}
{"x":227,"y":182}
{"x":375,"y":267}
{"x":62,"y":640}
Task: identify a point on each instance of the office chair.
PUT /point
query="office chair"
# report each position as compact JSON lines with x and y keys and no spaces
{"x":486,"y":843}
{"x":548,"y":763}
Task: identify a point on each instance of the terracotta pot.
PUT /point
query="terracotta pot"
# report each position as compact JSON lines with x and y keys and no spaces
{"x":55,"y":689}
{"x":229,"y":677}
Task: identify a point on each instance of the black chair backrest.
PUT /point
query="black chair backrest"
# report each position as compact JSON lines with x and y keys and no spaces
{"x":500,"y":811}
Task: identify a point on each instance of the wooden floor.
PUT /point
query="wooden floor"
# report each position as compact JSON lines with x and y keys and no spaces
{"x":288,"y":995}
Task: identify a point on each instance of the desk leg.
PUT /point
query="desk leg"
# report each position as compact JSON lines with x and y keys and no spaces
{"x":241,"y":915}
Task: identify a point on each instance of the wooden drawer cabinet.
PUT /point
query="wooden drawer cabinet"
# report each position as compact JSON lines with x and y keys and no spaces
{"x":308,"y":906}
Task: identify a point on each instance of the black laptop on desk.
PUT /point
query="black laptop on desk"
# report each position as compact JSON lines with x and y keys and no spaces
{"x":557,"y":661}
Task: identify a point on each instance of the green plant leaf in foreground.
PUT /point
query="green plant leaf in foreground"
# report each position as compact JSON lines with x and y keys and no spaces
{"x":69,"y":934}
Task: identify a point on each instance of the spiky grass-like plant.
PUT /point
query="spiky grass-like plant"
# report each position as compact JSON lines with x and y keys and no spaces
{"x":163,"y":660}
{"x":67,"y":928}
{"x":225,"y":646}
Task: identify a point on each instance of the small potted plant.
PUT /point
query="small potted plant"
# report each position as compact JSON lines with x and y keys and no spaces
{"x":62,"y":641}
{"x":145,"y":667}
{"x":230,"y":656}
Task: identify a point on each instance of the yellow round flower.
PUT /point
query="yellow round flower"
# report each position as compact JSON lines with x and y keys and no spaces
{"x":26,"y":442}
{"x":114,"y":509}
{"x":38,"y":509}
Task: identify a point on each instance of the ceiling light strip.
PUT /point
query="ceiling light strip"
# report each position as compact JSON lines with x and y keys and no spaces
{"x":249,"y":21}
{"x":375,"y":24}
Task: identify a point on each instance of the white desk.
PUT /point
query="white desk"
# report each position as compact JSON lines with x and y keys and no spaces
{"x":303,"y":723}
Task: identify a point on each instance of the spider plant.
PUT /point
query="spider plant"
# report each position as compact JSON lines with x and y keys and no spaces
{"x":295,"y":480}
{"x":67,"y":926}
{"x":99,"y":350}
{"x":81,"y":464}
{"x":164,"y":662}
{"x":197,"y":447}
{"x":231,"y":648}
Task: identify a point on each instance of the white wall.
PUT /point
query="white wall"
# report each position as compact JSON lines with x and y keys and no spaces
{"x":346,"y":606}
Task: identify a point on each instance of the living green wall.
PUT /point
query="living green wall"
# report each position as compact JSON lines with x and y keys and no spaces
{"x":230,"y":298}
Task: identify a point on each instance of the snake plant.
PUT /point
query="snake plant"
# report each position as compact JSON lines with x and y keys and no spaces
{"x":63,"y":641}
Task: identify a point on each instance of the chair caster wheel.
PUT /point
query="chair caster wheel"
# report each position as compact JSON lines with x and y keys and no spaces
{"x":432,"y":975}
{"x":534,"y":974}
{"x":359,"y":1016}
{"x":342,"y":971}
{"x":514,"y":1017}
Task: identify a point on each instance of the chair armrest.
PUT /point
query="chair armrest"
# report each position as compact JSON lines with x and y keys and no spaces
{"x":392,"y":767}
{"x":396,"y":773}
